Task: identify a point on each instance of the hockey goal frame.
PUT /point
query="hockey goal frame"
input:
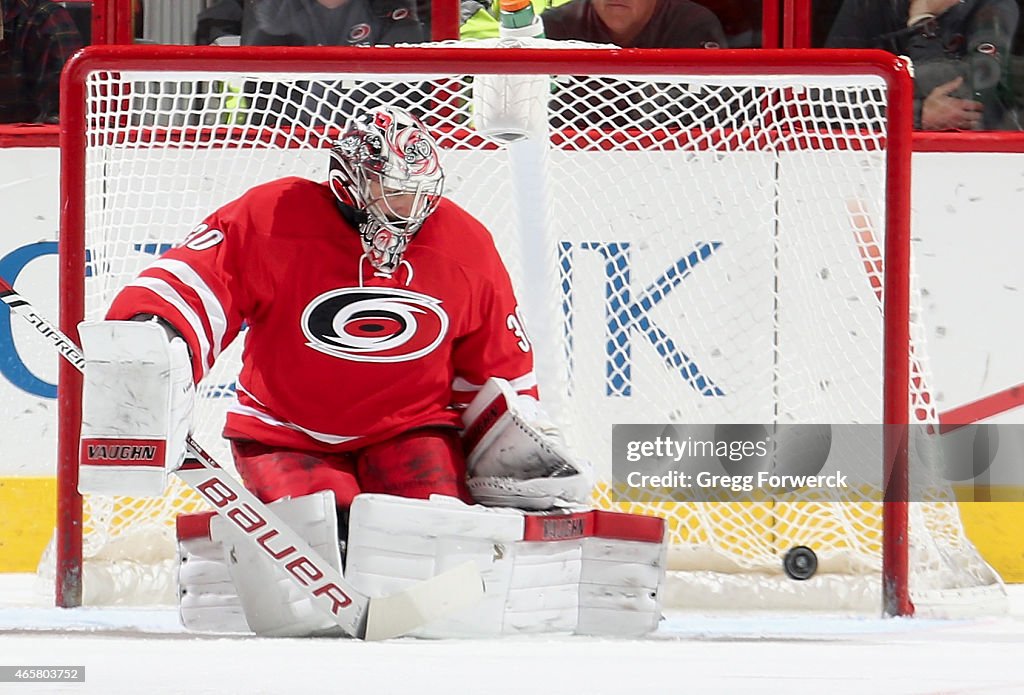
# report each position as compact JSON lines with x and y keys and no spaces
{"x":412,"y":60}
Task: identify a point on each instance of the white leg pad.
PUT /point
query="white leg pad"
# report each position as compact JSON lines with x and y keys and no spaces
{"x":619,"y":586}
{"x":272,"y":603}
{"x":207,"y":599}
{"x":589,"y":572}
{"x":399,"y":542}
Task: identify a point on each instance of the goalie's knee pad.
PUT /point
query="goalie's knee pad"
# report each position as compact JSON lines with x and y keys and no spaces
{"x":267,"y":600}
{"x":274,"y":606}
{"x":207,"y":598}
{"x":589,"y":572}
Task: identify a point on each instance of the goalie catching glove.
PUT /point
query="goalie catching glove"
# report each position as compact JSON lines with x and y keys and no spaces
{"x":515,"y":457}
{"x":137,"y":400}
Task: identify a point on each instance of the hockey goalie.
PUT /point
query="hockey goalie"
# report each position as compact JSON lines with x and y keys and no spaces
{"x":387,"y":406}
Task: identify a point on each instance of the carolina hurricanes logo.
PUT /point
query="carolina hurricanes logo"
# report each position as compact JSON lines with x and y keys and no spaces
{"x":374,"y":324}
{"x":358,"y":33}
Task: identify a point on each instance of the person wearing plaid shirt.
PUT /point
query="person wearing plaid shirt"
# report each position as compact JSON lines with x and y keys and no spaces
{"x":38,"y":38}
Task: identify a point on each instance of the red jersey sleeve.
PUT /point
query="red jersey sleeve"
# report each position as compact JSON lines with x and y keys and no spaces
{"x":196,"y":286}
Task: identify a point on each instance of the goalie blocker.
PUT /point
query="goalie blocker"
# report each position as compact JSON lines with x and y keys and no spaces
{"x":137,"y":401}
{"x":587,"y":572}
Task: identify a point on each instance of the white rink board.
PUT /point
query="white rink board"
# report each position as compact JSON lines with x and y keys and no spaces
{"x":28,"y":245}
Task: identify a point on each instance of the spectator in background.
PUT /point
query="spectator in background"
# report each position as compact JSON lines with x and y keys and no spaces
{"x":311,"y":22}
{"x":319,"y":103}
{"x":330,"y":23}
{"x":605,"y":102}
{"x":960,"y":50}
{"x":38,"y":38}
{"x":636,"y":23}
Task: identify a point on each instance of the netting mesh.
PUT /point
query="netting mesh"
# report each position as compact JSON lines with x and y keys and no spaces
{"x":685,"y":249}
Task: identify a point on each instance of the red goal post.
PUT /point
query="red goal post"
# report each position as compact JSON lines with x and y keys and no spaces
{"x":105,"y":112}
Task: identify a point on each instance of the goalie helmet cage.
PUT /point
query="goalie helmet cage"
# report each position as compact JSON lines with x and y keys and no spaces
{"x":692,"y":235}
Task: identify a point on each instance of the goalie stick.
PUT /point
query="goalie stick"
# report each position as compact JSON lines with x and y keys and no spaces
{"x":355,"y":613}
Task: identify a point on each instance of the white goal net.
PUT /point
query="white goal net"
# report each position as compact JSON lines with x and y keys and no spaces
{"x":692,"y":242}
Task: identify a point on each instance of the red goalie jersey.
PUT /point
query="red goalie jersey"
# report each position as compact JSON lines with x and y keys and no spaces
{"x":335,"y":356}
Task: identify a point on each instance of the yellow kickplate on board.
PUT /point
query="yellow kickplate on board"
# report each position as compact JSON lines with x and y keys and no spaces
{"x":27,"y":514}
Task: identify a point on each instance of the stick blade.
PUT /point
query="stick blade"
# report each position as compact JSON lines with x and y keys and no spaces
{"x":437,"y":597}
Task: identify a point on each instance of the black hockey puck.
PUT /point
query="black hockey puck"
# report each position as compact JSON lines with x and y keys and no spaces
{"x":800,"y":563}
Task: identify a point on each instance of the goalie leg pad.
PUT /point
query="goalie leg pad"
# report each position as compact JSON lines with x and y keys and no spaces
{"x":516,"y":458}
{"x":589,"y":572}
{"x":207,"y":598}
{"x":620,"y":583}
{"x":273,"y":604}
{"x":137,"y":401}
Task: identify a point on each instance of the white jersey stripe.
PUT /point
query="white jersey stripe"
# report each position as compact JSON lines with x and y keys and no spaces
{"x":521,"y":383}
{"x":167,"y":293}
{"x":524,"y":382}
{"x":211,"y":305}
{"x":246,"y":411}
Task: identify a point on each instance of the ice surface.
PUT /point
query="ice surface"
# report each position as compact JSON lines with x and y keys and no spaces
{"x":145,"y":652}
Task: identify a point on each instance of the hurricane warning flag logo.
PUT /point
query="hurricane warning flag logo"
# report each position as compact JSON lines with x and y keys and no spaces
{"x":374,"y":324}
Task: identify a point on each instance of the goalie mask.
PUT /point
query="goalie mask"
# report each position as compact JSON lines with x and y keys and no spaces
{"x":385,"y":167}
